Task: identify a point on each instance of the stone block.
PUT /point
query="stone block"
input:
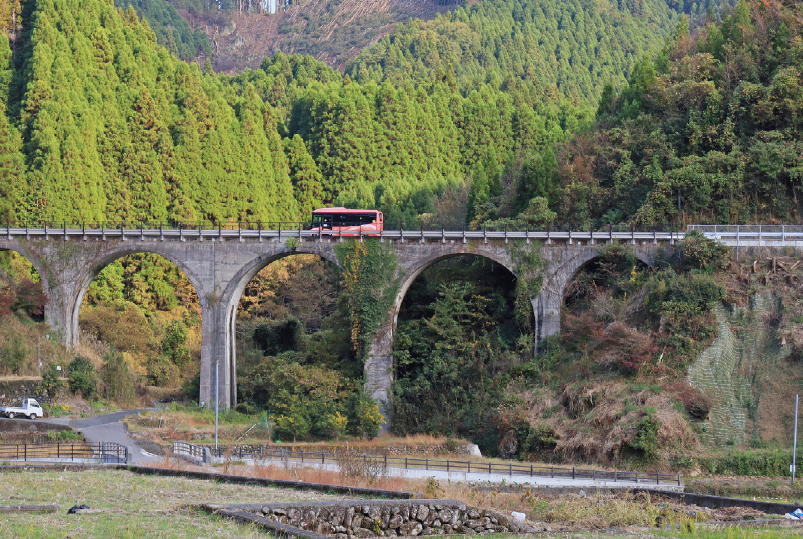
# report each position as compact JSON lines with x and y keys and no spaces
{"x":411,"y":528}
{"x":349,"y":517}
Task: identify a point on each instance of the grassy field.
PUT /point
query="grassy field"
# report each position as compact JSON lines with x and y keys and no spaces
{"x":132,"y":505}
{"x":135,"y":506}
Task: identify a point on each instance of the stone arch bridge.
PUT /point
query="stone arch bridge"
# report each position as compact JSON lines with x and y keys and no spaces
{"x":220,"y":263}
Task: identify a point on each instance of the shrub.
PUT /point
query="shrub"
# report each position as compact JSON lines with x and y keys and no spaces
{"x":117,"y":378}
{"x":646,"y":439}
{"x":51,"y":384}
{"x":365,"y":418}
{"x":13,"y":355}
{"x":355,"y":466}
{"x":333,"y":425}
{"x":82,"y":377}
{"x":699,"y":252}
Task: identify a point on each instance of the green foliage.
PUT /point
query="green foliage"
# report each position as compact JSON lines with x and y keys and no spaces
{"x":174,"y":344}
{"x":370,"y":285}
{"x":82,"y":377}
{"x":529,"y":272}
{"x":700,"y":252}
{"x":172,"y":31}
{"x":117,"y":378}
{"x":273,"y":338}
{"x":710,"y":133}
{"x":301,"y":399}
{"x":51,"y":384}
{"x":166,"y":368}
{"x":365,"y":417}
{"x":646,"y":439}
{"x":569,"y":48}
{"x":454,"y":349}
{"x":64,"y":436}
{"x":766,"y":462}
{"x":13,"y":355}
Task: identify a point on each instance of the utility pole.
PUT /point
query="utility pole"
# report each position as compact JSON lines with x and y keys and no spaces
{"x":217,"y":385}
{"x":794,"y":446}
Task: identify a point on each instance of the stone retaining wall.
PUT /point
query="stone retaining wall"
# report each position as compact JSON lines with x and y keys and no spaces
{"x":389,"y":518}
{"x":13,"y":391}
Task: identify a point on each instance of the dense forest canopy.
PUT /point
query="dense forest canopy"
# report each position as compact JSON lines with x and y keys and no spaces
{"x":104,"y":124}
{"x":570,"y":47}
{"x":171,"y":30}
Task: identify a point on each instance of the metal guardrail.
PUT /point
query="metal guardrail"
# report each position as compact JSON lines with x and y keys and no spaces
{"x":730,"y":234}
{"x":739,"y":233}
{"x":189,"y":450}
{"x":408,"y":463}
{"x":183,"y":234}
{"x":107,"y":452}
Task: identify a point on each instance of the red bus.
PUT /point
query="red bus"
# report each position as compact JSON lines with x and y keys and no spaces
{"x":345,"y":220}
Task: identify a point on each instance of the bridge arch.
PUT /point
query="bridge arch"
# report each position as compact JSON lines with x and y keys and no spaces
{"x":422,"y":265}
{"x":563,"y":264}
{"x":379,"y":369}
{"x":227,"y":350}
{"x":85,"y":280}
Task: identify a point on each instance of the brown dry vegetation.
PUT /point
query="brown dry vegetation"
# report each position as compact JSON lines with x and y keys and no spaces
{"x":569,"y":512}
{"x":240,"y":41}
{"x":595,"y":421}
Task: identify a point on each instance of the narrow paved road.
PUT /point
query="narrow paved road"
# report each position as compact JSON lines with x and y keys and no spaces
{"x":108,"y":428}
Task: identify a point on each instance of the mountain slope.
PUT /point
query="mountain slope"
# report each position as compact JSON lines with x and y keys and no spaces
{"x":331,"y":31}
{"x":574,"y":45}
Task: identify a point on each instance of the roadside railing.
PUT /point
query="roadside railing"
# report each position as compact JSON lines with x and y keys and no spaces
{"x":743,"y":233}
{"x":185,"y":449}
{"x":106,"y":452}
{"x":421,"y":234}
{"x":410,"y":463}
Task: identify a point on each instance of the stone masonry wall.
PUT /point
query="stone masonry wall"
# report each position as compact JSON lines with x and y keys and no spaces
{"x":389,"y":518}
{"x":13,"y":391}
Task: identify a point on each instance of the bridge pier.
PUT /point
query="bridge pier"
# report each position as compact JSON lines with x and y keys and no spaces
{"x":216,"y":358}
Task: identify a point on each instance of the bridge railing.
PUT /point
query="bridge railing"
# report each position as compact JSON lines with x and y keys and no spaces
{"x":420,"y":234}
{"x":429,"y":225}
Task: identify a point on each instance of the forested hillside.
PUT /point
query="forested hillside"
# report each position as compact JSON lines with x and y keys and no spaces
{"x":708,"y":130}
{"x":171,"y":30}
{"x":570,"y":47}
{"x":104,"y":124}
{"x":101,"y":124}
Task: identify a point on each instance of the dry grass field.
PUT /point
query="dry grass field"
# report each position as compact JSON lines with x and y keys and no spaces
{"x":135,"y":506}
{"x":131,"y":505}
